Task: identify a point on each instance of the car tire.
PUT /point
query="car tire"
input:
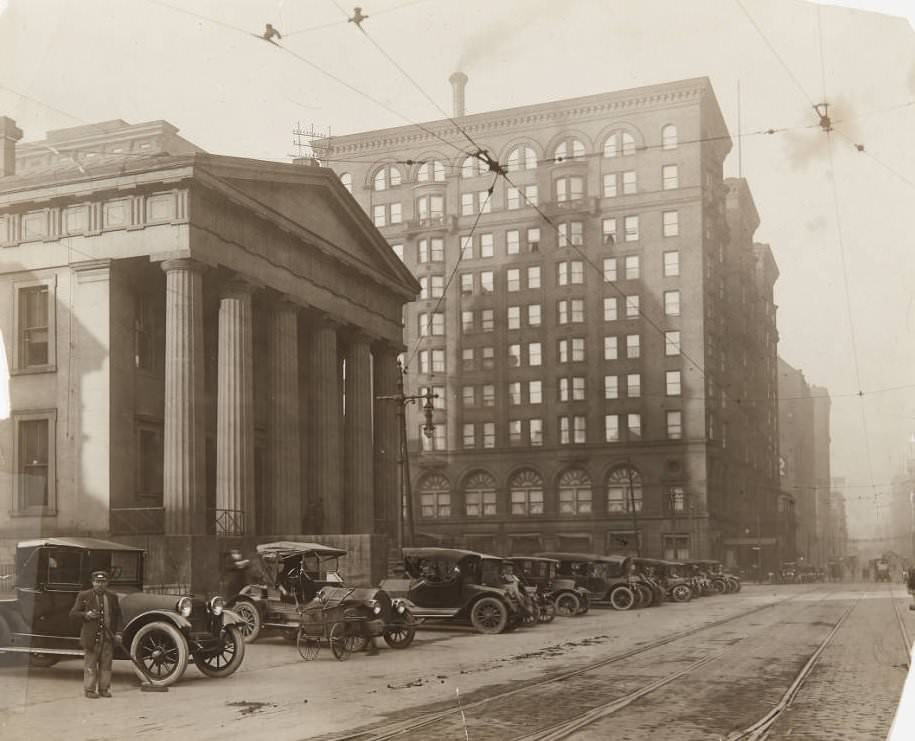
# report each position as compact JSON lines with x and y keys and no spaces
{"x":681,"y":593}
{"x":253,"y":624}
{"x":719,"y":586}
{"x":547,"y":612}
{"x":42,"y":661}
{"x":567,"y":604}
{"x":489,"y":615}
{"x":585,"y":601}
{"x":162,"y":651}
{"x":622,"y":598}
{"x":400,"y":635}
{"x":229,"y":659}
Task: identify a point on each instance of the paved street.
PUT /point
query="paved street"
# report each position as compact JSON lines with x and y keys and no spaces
{"x":707,"y":682}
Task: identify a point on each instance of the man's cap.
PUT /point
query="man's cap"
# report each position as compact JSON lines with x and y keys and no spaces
{"x":100,"y":574}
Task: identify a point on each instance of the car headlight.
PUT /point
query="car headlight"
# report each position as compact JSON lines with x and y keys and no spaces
{"x":184,"y":606}
{"x":401,"y":608}
{"x":217,"y":605}
{"x":376,"y":607}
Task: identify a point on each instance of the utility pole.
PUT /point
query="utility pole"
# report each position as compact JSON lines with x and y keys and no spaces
{"x":758,"y":546}
{"x":635,"y":515}
{"x":407,"y":530}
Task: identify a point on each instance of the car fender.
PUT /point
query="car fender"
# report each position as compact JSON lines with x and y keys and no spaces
{"x":252,"y":592}
{"x":182,"y":624}
{"x":229,"y":617}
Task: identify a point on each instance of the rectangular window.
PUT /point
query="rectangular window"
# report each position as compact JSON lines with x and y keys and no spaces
{"x":632,"y":307}
{"x":486,"y":245}
{"x":530,"y":195}
{"x":466,"y":248}
{"x":563,"y":389}
{"x":512,"y":242}
{"x":609,"y":269}
{"x":578,"y":349}
{"x":676,"y":547}
{"x":672,"y":379}
{"x":487,"y":283}
{"x":535,"y":392}
{"x":514,"y":432}
{"x":468,"y":396}
{"x":569,"y":188}
{"x":571,"y":234}
{"x":562,"y":312}
{"x":514,"y":393}
{"x":630,"y":182}
{"x":608,"y":229}
{"x":480,"y":503}
{"x":611,"y":428}
{"x":633,"y":348}
{"x":423,"y":321}
{"x":467,"y":359}
{"x":489,"y":395}
{"x":574,"y":501}
{"x":487,"y":320}
{"x":632,"y":267}
{"x":424,"y":288}
{"x":565,"y":431}
{"x":631,"y":227}
{"x":489,"y":356}
{"x":578,"y":388}
{"x":674,"y":425}
{"x":533,"y":239}
{"x":466,"y":204}
{"x":672,"y":303}
{"x":489,"y":434}
{"x":397,"y":213}
{"x":534,"y":315}
{"x":438,"y":324}
{"x":610,"y":313}
{"x":436,"y":286}
{"x":633,"y":385}
{"x":514,"y":356}
{"x":512,"y":198}
{"x":535,"y":432}
{"x":514,"y":317}
{"x":467,"y":321}
{"x":34,"y":326}
{"x":437,"y":249}
{"x":611,"y":348}
{"x":534,"y":354}
{"x":435,"y":504}
{"x":672,"y":343}
{"x":35,"y":485}
{"x":671,"y":264}
{"x":577,"y":310}
{"x":512,"y":280}
{"x":379,"y":215}
{"x":611,"y":387}
{"x":423,"y":361}
{"x":610,"y":185}
{"x":670,"y":176}
{"x":533,"y":276}
{"x":634,"y":426}
{"x":579,"y":430}
{"x":484,"y":202}
{"x":466,"y":284}
{"x":527,"y":501}
{"x":671,"y":223}
{"x":563,"y":351}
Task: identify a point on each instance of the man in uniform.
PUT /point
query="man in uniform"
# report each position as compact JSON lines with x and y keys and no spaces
{"x":100,"y":613}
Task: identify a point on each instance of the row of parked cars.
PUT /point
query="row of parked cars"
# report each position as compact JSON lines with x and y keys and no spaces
{"x":296,"y":590}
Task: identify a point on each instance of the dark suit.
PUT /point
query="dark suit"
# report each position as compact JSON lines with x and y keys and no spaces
{"x":93,"y":638}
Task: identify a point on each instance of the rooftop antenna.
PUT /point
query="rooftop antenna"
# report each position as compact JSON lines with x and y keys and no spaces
{"x":304,"y":140}
{"x":822,"y":110}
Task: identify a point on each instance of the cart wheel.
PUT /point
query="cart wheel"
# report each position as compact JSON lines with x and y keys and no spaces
{"x":307,"y":645}
{"x":341,"y":642}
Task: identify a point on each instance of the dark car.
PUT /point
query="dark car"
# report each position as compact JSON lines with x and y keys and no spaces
{"x":542,"y":573}
{"x":722,"y":581}
{"x":161,"y":633}
{"x":670,"y":576}
{"x":458,"y":585}
{"x":294,"y":575}
{"x":608,"y":579}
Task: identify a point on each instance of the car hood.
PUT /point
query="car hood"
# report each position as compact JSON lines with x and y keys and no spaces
{"x":136,"y":603}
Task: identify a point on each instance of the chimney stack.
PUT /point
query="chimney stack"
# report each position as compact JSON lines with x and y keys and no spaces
{"x":458,"y":82}
{"x":9,"y":135}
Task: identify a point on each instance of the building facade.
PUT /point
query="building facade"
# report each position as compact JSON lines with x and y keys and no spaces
{"x":575,"y":321}
{"x":194,"y":342}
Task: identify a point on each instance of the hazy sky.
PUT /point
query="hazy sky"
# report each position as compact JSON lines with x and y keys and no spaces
{"x":844,"y":244}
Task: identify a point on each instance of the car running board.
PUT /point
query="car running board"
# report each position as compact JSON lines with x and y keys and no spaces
{"x":39,"y":650}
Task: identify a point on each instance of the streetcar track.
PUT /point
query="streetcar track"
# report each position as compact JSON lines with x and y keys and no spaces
{"x":903,"y":629}
{"x":399,"y":728}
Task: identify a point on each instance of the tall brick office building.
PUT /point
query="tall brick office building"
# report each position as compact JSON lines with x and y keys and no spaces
{"x":606,"y":362}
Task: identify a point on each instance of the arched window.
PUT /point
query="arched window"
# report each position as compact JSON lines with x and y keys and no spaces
{"x":569,"y":149}
{"x":619,"y":143}
{"x":433,"y":171}
{"x":624,"y":490}
{"x":575,"y":493}
{"x":480,"y":495}
{"x":387,"y":177}
{"x":669,"y":138}
{"x":522,"y":158}
{"x":527,"y":493}
{"x":470,"y":168}
{"x":435,"y":496}
{"x":347,"y":179}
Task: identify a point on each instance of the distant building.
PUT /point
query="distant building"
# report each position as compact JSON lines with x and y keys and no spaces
{"x":605,"y":362}
{"x":178,"y":330}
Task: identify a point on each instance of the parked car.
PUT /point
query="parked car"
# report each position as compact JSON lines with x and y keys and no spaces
{"x":457,"y":585}
{"x":294,"y":575}
{"x":722,"y":581}
{"x":608,"y":579}
{"x":542,"y":574}
{"x":160,"y":633}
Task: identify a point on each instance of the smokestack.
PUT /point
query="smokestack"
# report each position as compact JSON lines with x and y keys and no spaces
{"x":458,"y":82}
{"x":9,"y":135}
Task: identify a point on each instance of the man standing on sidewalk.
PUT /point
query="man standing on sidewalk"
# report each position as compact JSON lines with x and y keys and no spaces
{"x":100,"y":612}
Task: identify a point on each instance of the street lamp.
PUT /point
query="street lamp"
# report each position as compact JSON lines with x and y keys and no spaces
{"x":407,"y":534}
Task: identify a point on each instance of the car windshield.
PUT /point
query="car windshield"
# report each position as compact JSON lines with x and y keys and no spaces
{"x":123,"y":567}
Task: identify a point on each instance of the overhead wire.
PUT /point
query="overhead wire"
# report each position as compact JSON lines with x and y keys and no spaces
{"x":331,"y":24}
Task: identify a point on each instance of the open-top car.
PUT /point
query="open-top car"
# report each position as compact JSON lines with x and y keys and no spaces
{"x":295,"y":577}
{"x":458,"y":585}
{"x":608,"y":579}
{"x":542,"y":574}
{"x":160,"y":633}
{"x":669,"y":575}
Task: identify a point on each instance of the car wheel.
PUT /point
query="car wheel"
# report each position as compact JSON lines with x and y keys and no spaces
{"x":622,"y":598}
{"x":585,"y":604}
{"x":42,"y":660}
{"x":681,"y":593}
{"x":248,"y":612}
{"x":737,"y":585}
{"x":228,"y":658}
{"x":719,"y":587}
{"x":646,"y":597}
{"x":341,"y":641}
{"x":161,"y":650}
{"x":358,"y":643}
{"x":400,"y":635}
{"x":307,"y":645}
{"x":567,"y":604}
{"x":489,"y":615}
{"x":547,"y":612}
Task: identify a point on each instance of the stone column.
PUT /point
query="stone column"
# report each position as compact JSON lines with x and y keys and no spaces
{"x":327,"y":458}
{"x":359,"y":502}
{"x":184,"y":469}
{"x":235,"y":413}
{"x":387,"y":444}
{"x":285,"y":500}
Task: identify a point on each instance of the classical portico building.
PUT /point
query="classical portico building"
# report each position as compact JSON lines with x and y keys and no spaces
{"x":194,"y":343}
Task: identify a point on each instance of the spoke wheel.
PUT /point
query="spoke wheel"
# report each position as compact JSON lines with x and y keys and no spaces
{"x":228,"y":658}
{"x":681,"y":593}
{"x":161,"y":650}
{"x":567,"y":604}
{"x":400,"y":635}
{"x":622,"y":598}
{"x":307,"y":645}
{"x":719,"y":587}
{"x":341,"y":641}
{"x":489,"y":615}
{"x":547,"y":612}
{"x":248,"y":612}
